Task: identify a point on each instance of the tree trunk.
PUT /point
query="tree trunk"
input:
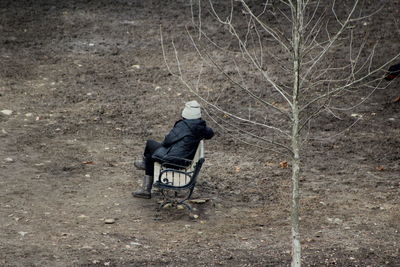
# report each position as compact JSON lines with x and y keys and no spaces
{"x":296,"y":246}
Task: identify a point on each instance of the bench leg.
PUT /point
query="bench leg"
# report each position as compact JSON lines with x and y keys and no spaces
{"x":186,"y":205}
{"x":174,"y":202}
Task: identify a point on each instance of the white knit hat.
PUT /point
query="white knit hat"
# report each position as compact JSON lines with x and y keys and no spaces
{"x":192,"y":110}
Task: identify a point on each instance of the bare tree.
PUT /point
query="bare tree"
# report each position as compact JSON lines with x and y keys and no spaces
{"x":286,"y":62}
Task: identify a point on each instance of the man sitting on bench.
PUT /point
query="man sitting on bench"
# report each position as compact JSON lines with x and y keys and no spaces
{"x":178,"y":147}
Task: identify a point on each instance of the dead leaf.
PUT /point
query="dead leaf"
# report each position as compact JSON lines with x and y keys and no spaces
{"x":283,"y":164}
{"x":237,"y":169}
{"x":396,"y":100}
{"x":88,"y":162}
{"x":380,"y":168}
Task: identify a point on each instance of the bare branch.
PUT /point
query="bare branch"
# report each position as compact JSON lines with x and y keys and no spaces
{"x":163,"y":51}
{"x":333,"y":39}
{"x":337,"y":134}
{"x":276,"y":35}
{"x":233,"y":81}
{"x":258,"y":67}
{"x":229,"y":113}
{"x":239,"y":129}
{"x":183,"y":81}
{"x":351,"y":84}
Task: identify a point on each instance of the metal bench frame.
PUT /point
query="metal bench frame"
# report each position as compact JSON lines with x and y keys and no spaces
{"x":177,"y":178}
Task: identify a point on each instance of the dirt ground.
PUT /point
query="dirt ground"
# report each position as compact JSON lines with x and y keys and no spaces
{"x":87,"y":86}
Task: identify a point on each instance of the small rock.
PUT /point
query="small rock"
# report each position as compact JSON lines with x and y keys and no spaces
{"x":168,"y":205}
{"x":135,"y":243}
{"x":338,"y":221}
{"x":82,"y":216}
{"x":7,"y":112}
{"x":135,"y":67}
{"x":391,"y":119}
{"x":109,"y":221}
{"x":194,"y":216}
{"x":28,"y":115}
{"x":355,"y":115}
{"x":198,"y":201}
{"x":9,"y":160}
{"x":318,"y":234}
{"x":22,"y":233}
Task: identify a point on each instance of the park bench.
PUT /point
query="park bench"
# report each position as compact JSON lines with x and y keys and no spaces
{"x":177,"y":183}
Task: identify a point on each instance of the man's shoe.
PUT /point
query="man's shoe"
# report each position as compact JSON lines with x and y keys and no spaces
{"x":145,"y":192}
{"x":141,"y":194}
{"x":139,"y":164}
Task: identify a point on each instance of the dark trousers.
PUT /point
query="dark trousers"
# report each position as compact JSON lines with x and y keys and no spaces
{"x":151,"y":147}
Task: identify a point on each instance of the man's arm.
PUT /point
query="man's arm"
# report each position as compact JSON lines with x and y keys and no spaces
{"x":170,"y":139}
{"x":173,"y":136}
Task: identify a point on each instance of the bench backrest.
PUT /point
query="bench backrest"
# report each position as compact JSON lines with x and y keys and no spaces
{"x":180,"y":178}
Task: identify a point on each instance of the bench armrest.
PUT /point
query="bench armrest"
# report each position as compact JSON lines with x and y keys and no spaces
{"x":169,"y":165}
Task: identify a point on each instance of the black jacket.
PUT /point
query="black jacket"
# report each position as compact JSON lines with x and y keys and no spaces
{"x":182,"y":141}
